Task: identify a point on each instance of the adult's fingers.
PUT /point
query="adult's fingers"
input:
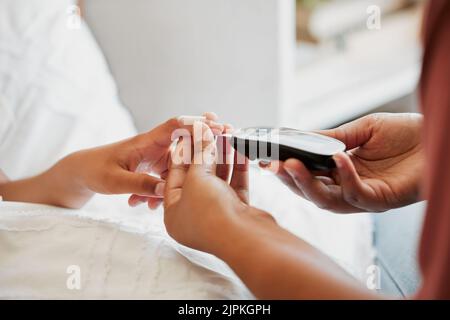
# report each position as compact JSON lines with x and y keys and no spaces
{"x":313,"y":189}
{"x":179,"y":166}
{"x":277,"y":168}
{"x":353,"y":134}
{"x":154,"y":203}
{"x":317,"y":190}
{"x":205,"y":149}
{"x":354,"y":190}
{"x":134,"y":200}
{"x":240,"y":177}
{"x":224,"y":155}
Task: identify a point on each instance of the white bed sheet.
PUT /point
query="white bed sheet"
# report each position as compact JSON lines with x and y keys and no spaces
{"x":39,"y":244}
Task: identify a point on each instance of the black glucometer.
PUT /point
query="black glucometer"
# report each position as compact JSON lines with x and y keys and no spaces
{"x":265,"y":143}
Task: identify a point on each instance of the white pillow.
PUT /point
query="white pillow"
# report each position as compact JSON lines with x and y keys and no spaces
{"x":56,"y":92}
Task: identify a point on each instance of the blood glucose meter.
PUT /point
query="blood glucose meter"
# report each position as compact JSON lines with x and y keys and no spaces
{"x":265,"y":143}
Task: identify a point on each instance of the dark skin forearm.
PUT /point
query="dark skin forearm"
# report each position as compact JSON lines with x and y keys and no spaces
{"x":275,"y":264}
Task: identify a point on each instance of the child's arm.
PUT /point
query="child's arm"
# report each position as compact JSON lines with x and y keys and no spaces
{"x":42,"y":188}
{"x":72,"y":181}
{"x":109,"y":169}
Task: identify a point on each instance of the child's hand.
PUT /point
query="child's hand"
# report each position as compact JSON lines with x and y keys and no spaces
{"x":156,"y":155}
{"x":108,"y":169}
{"x":111,"y":169}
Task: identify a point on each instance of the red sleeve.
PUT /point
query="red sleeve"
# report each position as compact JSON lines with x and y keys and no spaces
{"x":435,"y":96}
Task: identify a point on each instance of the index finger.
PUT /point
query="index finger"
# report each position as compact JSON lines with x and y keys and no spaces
{"x":224,"y":155}
{"x":178,"y":168}
{"x":205,"y":149}
{"x":240,"y":179}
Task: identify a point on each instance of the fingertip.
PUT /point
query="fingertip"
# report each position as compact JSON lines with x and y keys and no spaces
{"x":217,"y":131}
{"x":228,"y":128}
{"x":275,"y":166}
{"x":338,"y":162}
{"x":343,"y":162}
{"x":132,"y":203}
{"x":264,"y":164}
{"x":135,"y":200}
{"x":211,"y":115}
{"x":131,"y":200}
{"x":154,"y":203}
{"x":352,"y":186}
{"x":174,"y":122}
{"x":296,"y":169}
{"x":293,"y":164}
{"x":338,"y":158}
{"x":205,"y":149}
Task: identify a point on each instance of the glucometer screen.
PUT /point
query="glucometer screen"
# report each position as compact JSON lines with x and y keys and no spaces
{"x":313,"y":149}
{"x":306,"y":141}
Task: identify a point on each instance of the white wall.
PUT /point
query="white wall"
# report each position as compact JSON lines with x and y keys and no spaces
{"x":173,"y":57}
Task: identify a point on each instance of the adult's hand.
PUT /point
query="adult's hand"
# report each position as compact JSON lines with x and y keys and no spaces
{"x":199,"y":203}
{"x":381,"y":169}
{"x":206,"y":213}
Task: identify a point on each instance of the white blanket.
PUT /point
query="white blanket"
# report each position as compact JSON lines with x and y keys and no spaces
{"x":56,"y":96}
{"x":48,"y":252}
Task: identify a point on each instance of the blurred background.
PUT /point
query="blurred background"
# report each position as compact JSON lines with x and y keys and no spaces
{"x":345,"y":69}
{"x":307,"y":64}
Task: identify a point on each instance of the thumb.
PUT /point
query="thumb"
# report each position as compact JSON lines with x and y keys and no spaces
{"x":353,"y":134}
{"x":138,"y":183}
{"x":240,"y":179}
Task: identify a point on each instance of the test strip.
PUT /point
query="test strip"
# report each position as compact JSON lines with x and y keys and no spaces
{"x":226,"y":135}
